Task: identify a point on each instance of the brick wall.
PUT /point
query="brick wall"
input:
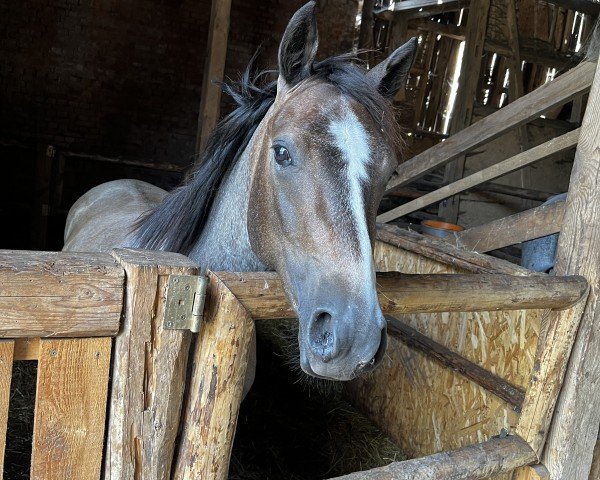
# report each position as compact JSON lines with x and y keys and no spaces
{"x":123,"y":78}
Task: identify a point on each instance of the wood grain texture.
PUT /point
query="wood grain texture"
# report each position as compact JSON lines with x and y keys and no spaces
{"x":27,"y":348}
{"x":569,"y":450}
{"x":492,"y":457}
{"x":148,"y":371}
{"x":70,"y":408}
{"x":6,"y":365}
{"x":59,"y":294}
{"x":556,"y":145}
{"x":216,"y":54}
{"x":215,"y":393}
{"x":444,"y":253}
{"x":262,"y":293}
{"x":561,"y":90}
{"x":492,"y":383}
{"x":533,"y":223}
{"x":424,"y":406}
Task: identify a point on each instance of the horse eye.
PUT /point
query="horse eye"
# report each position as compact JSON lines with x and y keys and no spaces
{"x":282,"y":156}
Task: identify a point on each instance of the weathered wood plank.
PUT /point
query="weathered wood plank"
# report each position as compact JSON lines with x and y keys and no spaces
{"x":492,"y":457}
{"x":6,"y":365}
{"x":520,"y":227}
{"x":441,"y":251}
{"x":215,"y":393}
{"x":216,"y":53}
{"x":148,"y":371}
{"x":569,"y":450}
{"x":27,"y":348}
{"x":491,"y":382}
{"x":263,"y":296}
{"x":59,"y":294}
{"x":70,"y":408}
{"x":556,"y":145}
{"x":561,"y":90}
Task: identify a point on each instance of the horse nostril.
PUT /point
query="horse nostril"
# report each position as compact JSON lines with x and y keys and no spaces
{"x":322,"y":339}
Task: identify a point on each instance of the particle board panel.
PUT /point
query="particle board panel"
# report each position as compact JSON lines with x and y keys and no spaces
{"x":422,"y":405}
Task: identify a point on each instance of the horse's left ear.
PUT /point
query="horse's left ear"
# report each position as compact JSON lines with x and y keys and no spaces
{"x":298,"y":46}
{"x":390,"y":75}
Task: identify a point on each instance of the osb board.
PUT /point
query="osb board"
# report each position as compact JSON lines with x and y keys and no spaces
{"x":427,"y":408}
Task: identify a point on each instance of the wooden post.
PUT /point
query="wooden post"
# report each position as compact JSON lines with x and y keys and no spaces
{"x":365,"y":36}
{"x":70,"y":408}
{"x":568,"y":453}
{"x":214,"y":67}
{"x":215,"y":393}
{"x":6,"y":364}
{"x":467,"y":90}
{"x":148,"y":371}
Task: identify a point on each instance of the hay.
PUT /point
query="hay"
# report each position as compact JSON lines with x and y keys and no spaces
{"x":295,"y":427}
{"x":20,"y":420}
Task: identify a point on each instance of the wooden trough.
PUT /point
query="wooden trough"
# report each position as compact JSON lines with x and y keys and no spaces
{"x":475,"y":369}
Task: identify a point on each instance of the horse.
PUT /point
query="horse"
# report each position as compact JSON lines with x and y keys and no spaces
{"x":290,"y":181}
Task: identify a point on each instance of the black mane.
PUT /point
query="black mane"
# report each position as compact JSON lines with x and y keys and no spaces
{"x":177,"y":222}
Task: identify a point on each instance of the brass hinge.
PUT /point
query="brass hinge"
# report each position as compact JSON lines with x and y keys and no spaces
{"x":185,"y":302}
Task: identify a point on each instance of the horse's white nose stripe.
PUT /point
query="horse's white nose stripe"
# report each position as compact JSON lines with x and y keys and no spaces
{"x":353,"y":142}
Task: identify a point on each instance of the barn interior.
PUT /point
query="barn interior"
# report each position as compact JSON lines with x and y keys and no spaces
{"x":97,"y":91}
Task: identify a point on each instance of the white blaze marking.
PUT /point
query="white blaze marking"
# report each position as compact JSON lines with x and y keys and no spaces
{"x":353,"y":142}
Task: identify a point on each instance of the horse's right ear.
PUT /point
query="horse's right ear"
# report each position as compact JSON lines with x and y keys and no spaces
{"x":298,"y":46}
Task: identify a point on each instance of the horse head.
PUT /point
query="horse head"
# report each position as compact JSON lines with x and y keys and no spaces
{"x":322,"y":161}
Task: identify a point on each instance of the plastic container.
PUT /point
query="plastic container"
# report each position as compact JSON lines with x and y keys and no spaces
{"x":436,"y":228}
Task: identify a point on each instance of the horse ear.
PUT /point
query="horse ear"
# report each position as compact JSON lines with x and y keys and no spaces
{"x":298,"y":46}
{"x":390,"y":75}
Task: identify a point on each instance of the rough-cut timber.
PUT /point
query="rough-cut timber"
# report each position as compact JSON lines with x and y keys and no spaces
{"x":70,"y":408}
{"x":215,"y":393}
{"x":561,"y":90}
{"x":216,"y":53}
{"x":6,"y":364}
{"x":27,"y":348}
{"x":496,"y":455}
{"x":492,"y":383}
{"x":441,"y":251}
{"x":263,"y":296}
{"x":59,"y":294}
{"x":148,"y":371}
{"x":520,"y":227}
{"x":551,"y":147}
{"x":568,"y":453}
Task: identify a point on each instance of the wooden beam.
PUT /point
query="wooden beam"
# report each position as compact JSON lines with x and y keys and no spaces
{"x":6,"y":365}
{"x":568,"y":453}
{"x":468,"y":82}
{"x":148,"y":372}
{"x":491,"y":382}
{"x":456,"y":32}
{"x":584,"y":6}
{"x":425,"y":8}
{"x":59,"y":294}
{"x":520,"y":227}
{"x":494,"y":456}
{"x":551,"y":147}
{"x":441,"y":251}
{"x":215,"y":392}
{"x":263,"y":296}
{"x":214,"y":67}
{"x":561,"y":90}
{"x":70,"y":408}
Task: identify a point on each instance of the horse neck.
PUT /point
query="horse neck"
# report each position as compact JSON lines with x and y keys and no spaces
{"x":224,"y":243}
